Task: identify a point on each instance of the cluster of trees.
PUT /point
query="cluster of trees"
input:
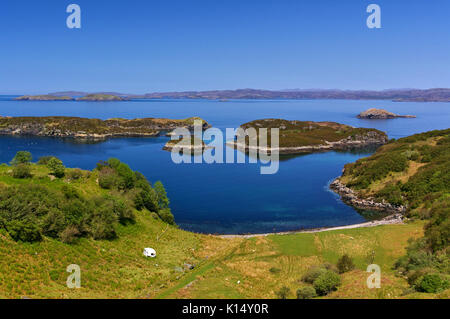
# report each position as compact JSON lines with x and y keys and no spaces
{"x":114,"y":174}
{"x":22,"y":168}
{"x":29,"y":211}
{"x":320,"y":280}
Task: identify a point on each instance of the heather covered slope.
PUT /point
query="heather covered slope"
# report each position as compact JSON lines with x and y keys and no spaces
{"x":413,"y":173}
{"x":307,"y":136}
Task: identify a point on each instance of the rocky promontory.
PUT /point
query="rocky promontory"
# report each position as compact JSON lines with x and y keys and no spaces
{"x":352,"y":198}
{"x":307,"y":136}
{"x":380,"y":114}
{"x":77,"y":127}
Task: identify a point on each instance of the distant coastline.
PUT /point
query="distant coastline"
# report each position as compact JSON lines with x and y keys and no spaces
{"x":396,"y":95}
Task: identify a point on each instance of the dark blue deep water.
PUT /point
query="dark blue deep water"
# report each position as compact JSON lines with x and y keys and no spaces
{"x":227,"y":198}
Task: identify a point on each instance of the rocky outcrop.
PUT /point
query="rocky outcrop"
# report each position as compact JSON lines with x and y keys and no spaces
{"x":84,"y":128}
{"x":192,"y":148}
{"x":352,"y":198}
{"x":379,"y":114}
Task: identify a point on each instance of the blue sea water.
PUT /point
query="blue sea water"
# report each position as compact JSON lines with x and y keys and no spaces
{"x":228,"y":198}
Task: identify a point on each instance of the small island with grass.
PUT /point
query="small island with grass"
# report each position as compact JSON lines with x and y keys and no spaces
{"x":308,"y":136}
{"x":101,"y":98}
{"x":192,"y":144}
{"x":44,"y":98}
{"x":379,"y":114}
{"x":85,"y":128}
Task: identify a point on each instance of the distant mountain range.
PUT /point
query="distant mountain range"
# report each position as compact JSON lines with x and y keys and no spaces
{"x":399,"y":95}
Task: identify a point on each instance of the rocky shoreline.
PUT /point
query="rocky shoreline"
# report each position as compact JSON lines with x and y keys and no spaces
{"x":93,"y":129}
{"x":369,"y":139}
{"x":350,"y":197}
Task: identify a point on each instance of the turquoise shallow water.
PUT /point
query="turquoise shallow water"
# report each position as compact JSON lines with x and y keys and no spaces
{"x":228,"y":198}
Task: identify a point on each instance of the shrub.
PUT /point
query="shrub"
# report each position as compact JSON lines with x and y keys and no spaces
{"x":75,"y":174}
{"x":146,"y":199}
{"x":121,"y":210}
{"x":70,"y":234}
{"x":21,"y":171}
{"x":102,"y":224}
{"x":326,"y":283}
{"x":107,"y":178}
{"x":274,"y":270}
{"x":163,"y":201}
{"x":344,"y":264}
{"x":56,"y":167}
{"x":307,"y":292}
{"x":313,"y":273}
{"x":432,"y":283}
{"x":283,"y":293}
{"x":166,"y":216}
{"x":21,"y":157}
{"x":24,"y":231}
{"x":43,"y":160}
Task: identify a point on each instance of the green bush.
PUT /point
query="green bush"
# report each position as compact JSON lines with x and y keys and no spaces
{"x":70,"y":234}
{"x":283,"y":293}
{"x":326,"y":283}
{"x":21,"y":171}
{"x":107,"y":178}
{"x":24,"y":231}
{"x":313,"y":273}
{"x":75,"y":174}
{"x":21,"y":157}
{"x":274,"y":270}
{"x":307,"y":292}
{"x":166,"y":216}
{"x":56,"y":167}
{"x":163,"y":201}
{"x":146,"y":198}
{"x":432,"y":283}
{"x":43,"y":160}
{"x":345,"y":264}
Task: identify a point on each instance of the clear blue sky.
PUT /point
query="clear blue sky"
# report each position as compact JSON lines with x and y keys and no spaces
{"x":165,"y":45}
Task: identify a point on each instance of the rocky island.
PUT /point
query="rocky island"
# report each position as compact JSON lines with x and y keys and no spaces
{"x":193,"y":144}
{"x":380,"y":114}
{"x":77,"y":127}
{"x":308,"y":136}
{"x":43,"y":98}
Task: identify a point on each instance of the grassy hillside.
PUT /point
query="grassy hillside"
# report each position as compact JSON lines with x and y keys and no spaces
{"x":187,"y":265}
{"x":414,"y":172}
